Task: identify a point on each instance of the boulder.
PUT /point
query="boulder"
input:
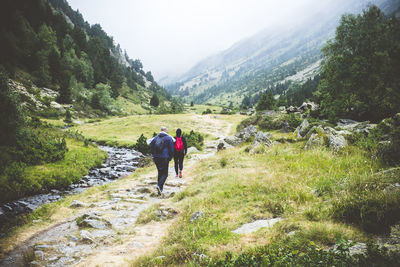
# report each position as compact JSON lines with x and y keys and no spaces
{"x":336,"y":142}
{"x":291,"y":109}
{"x":92,"y":220}
{"x":355,"y":127}
{"x":315,"y":129}
{"x":301,"y":129}
{"x":256,"y":225}
{"x":247,"y":133}
{"x":263,"y":138}
{"x":315,"y":140}
{"x":233,"y":140}
{"x":308,"y":106}
{"x":256,"y":148}
{"x":250,"y":111}
{"x":94,"y":224}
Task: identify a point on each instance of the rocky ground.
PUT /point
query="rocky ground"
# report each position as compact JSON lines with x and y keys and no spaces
{"x":105,"y":231}
{"x":120,"y":162}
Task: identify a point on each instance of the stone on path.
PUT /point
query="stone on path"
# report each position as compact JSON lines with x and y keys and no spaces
{"x":175,"y":183}
{"x":94,"y":224}
{"x":93,"y":220}
{"x":77,"y":204}
{"x":86,"y":236}
{"x":256,"y":225}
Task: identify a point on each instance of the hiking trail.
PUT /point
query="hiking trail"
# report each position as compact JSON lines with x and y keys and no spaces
{"x":104,"y":231}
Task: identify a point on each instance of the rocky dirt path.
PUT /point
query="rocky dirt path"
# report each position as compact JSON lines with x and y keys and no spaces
{"x":105,"y":231}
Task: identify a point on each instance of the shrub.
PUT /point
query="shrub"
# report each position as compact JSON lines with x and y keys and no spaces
{"x":48,"y":113}
{"x":207,"y":111}
{"x":383,"y":142}
{"x":247,"y":122}
{"x":142,"y":146}
{"x":223,"y":162}
{"x":101,"y":99}
{"x":36,"y":146}
{"x":294,"y":120}
{"x":303,"y":254}
{"x":268,"y":123}
{"x":373,"y":203}
{"x":12,"y":118}
{"x":195,"y":139}
{"x":68,"y":117}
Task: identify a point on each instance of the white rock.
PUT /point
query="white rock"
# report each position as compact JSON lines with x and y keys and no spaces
{"x":256,"y":225}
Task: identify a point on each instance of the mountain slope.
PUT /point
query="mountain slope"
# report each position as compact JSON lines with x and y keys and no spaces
{"x":46,"y":43}
{"x":269,"y":57}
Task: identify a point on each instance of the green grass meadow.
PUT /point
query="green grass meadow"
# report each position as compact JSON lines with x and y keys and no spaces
{"x":233,"y":188}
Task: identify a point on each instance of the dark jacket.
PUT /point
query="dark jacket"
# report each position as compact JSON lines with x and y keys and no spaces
{"x":168,"y":146}
{"x":184,"y":144}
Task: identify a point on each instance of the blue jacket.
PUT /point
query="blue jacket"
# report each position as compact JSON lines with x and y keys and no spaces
{"x":168,"y":148}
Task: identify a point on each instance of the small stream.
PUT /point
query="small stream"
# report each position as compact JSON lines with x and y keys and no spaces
{"x":120,"y":162}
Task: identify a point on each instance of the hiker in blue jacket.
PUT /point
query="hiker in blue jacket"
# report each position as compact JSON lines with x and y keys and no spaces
{"x":180,"y":152}
{"x":162,"y":149}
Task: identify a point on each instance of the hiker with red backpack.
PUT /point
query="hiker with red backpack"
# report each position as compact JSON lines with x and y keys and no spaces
{"x":162,"y":148}
{"x":180,"y":152}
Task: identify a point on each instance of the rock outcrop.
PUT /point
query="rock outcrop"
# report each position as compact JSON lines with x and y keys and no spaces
{"x":315,"y":140}
{"x":301,"y":129}
{"x":261,"y":139}
{"x":335,"y":138}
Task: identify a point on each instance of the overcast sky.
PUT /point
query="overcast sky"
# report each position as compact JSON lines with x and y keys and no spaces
{"x":170,"y":36}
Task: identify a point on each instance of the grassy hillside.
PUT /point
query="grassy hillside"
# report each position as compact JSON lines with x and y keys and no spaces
{"x":233,"y":188}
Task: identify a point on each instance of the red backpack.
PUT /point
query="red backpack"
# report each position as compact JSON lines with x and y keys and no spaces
{"x":179,"y":144}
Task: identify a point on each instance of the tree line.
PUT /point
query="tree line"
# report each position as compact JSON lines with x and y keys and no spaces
{"x":55,"y":47}
{"x":359,"y":76}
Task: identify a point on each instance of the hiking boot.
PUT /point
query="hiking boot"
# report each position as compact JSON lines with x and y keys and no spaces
{"x":159,"y":192}
{"x":180,"y":174}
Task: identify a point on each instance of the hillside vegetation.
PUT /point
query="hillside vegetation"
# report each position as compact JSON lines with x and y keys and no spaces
{"x":54,"y":65}
{"x":47,"y":44}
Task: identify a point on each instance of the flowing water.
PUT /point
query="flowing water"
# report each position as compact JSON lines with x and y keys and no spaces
{"x":120,"y":162}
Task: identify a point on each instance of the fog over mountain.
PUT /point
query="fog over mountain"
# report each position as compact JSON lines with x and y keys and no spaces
{"x":172,"y":36}
{"x":280,"y":52}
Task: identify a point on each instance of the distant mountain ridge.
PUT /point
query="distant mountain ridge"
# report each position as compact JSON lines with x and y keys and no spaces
{"x":269,"y":57}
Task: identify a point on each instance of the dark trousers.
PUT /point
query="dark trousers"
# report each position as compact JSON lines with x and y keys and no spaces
{"x":162,"y":168}
{"x":178,"y":159}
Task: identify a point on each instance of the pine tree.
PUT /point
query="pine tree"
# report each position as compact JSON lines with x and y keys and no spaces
{"x":154,"y":101}
{"x":360,"y":78}
{"x":267,"y":102}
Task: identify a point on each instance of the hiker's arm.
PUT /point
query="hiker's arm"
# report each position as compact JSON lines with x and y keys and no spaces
{"x":184,"y":145}
{"x":152,"y":146}
{"x":171,"y":149}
